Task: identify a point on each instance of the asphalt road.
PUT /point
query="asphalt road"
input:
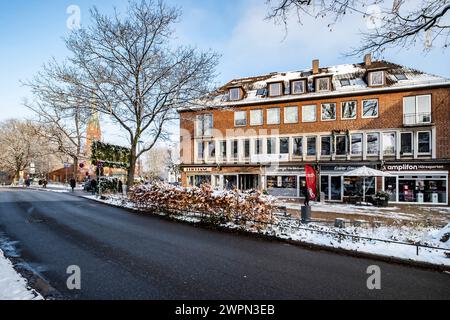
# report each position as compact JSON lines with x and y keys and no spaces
{"x":127,"y":256}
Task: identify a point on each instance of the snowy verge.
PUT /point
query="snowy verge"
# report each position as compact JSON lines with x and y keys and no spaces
{"x":12,"y":285}
{"x":391,"y":242}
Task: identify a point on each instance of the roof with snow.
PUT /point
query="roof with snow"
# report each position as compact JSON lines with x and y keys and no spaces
{"x":397,"y":78}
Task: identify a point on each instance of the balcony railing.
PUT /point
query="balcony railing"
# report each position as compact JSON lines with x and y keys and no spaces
{"x":415,"y":119}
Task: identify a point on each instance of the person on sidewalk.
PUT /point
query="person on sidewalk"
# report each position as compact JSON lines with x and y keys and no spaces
{"x":305,"y":192}
{"x":94,"y":186}
{"x":73,"y":184}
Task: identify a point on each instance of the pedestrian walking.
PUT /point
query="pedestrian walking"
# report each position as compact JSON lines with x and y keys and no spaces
{"x":94,"y":186}
{"x":306,"y":194}
{"x":120,"y":187}
{"x":73,"y":184}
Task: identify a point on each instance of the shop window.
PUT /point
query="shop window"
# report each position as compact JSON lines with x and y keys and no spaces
{"x":240,"y":118}
{"x":336,"y":188}
{"x":284,"y":145}
{"x":259,"y":146}
{"x":311,"y":146}
{"x":373,"y":144}
{"x":297,"y":147}
{"x":424,"y":142}
{"x":326,"y":146}
{"x":282,"y":186}
{"x":390,"y":186}
{"x":389,"y":143}
{"x":349,"y":110}
{"x":256,"y":117}
{"x":341,"y":145}
{"x":370,"y":108}
{"x":423,"y":189}
{"x":290,"y":115}
{"x":353,"y":187}
{"x":407,"y":142}
{"x":325,"y":187}
{"x":357,"y":140}
{"x":309,"y":113}
{"x":200,"y":180}
{"x":273,"y":116}
{"x":271,"y":144}
{"x":328,"y":111}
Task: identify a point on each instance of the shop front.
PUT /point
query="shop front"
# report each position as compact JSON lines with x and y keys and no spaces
{"x":417,"y":183}
{"x":285,"y":181}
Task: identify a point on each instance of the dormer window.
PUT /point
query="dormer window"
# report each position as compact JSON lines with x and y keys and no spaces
{"x":235,"y":94}
{"x":298,"y":86}
{"x":376,"y":78}
{"x":323,"y":84}
{"x":275,"y":89}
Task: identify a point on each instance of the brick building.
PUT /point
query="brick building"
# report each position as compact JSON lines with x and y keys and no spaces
{"x":260,"y":132}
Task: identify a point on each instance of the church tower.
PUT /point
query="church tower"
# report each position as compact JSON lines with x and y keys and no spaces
{"x":93,"y":131}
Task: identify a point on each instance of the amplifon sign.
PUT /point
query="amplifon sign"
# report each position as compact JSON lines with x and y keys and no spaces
{"x":412,"y":167}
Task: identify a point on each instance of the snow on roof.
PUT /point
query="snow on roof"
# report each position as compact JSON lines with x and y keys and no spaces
{"x":354,"y":73}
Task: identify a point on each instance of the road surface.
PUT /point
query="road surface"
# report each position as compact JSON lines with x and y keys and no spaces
{"x":127,"y":256}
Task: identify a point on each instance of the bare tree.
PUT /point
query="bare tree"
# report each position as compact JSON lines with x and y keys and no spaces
{"x":60,"y":110}
{"x":19,"y":146}
{"x":391,"y":24}
{"x":136,"y":74}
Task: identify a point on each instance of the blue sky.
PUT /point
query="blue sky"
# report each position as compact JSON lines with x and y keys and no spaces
{"x":31,"y":32}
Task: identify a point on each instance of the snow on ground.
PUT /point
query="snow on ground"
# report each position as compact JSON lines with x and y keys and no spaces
{"x":288,"y":228}
{"x":12,"y":285}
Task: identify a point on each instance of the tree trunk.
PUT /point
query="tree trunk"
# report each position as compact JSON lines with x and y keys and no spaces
{"x":75,"y":168}
{"x":132,"y":168}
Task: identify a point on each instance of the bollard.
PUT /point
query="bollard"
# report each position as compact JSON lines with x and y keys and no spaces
{"x":339,"y":223}
{"x":306,"y":214}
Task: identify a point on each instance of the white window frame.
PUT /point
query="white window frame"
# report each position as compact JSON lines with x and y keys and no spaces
{"x":362,"y":144}
{"x":383,"y":79}
{"x":331,"y":146}
{"x":256,"y":146}
{"x":378,"y":109}
{"x":239,"y":96}
{"x":306,"y":145}
{"x":261,"y":112}
{"x":356,"y":110}
{"x":293,"y":86}
{"x":235,"y":118}
{"x":289,"y":144}
{"x":315,"y":113}
{"x":367,"y":144}
{"x":280,"y":87}
{"x":328,"y":86}
{"x":321,"y":111}
{"x":395,"y":143}
{"x":273,"y":145}
{"x":416,"y":109}
{"x":412,"y":143}
{"x":431,"y":143}
{"x":200,"y":119}
{"x":208,"y":154}
{"x":293,"y":144}
{"x":296,"y":115}
{"x":269,"y":121}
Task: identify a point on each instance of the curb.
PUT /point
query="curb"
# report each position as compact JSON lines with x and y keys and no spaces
{"x":306,"y":245}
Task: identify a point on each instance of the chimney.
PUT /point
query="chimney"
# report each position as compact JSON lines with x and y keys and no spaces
{"x":368,"y":59}
{"x":315,"y":64}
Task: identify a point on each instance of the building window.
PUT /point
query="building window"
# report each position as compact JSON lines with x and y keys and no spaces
{"x":235,"y":94}
{"x":424,"y":142}
{"x":204,"y":125}
{"x":349,"y":110}
{"x":200,"y":150}
{"x":373,"y":144}
{"x":311,"y":146}
{"x":297,"y":147}
{"x":275,"y":89}
{"x":246,"y":149}
{"x":323,"y":84}
{"x":357,"y":140}
{"x":273,"y":116}
{"x":282,"y":186}
{"x":341,"y":145}
{"x":212,"y":150}
{"x":271,"y":143}
{"x":417,"y":110}
{"x":326,"y":146}
{"x":256,"y":117}
{"x":376,"y":78}
{"x":389,"y":143}
{"x":235,"y":149}
{"x":223,"y":150}
{"x":406,"y":140}
{"x":284,"y":145}
{"x":328,"y":111}
{"x":291,"y":115}
{"x":240,"y":118}
{"x":259,"y":146}
{"x":370,"y":108}
{"x":309,"y":113}
{"x":298,"y":87}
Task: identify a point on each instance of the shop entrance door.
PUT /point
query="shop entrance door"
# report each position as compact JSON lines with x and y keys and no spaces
{"x":336,"y":188}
